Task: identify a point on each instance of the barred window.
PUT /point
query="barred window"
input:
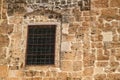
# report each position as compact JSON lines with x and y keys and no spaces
{"x":41,"y":45}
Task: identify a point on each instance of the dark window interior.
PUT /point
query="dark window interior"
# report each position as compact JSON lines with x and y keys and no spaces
{"x":41,"y":45}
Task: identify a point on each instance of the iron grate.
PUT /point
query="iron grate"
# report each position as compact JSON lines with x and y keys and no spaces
{"x":41,"y":44}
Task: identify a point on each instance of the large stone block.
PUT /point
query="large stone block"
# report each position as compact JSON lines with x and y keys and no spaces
{"x":99,"y":70}
{"x":76,"y":46}
{"x":77,"y":65}
{"x":68,"y":38}
{"x":101,"y":55}
{"x":101,"y":3}
{"x":4,"y":40}
{"x":100,"y":77}
{"x":88,"y":59}
{"x":88,"y":71}
{"x":15,"y":73}
{"x":6,"y":29}
{"x":113,"y":76}
{"x":115,"y":3}
{"x":110,"y":14}
{"x":62,"y":76}
{"x":3,"y":70}
{"x":73,"y":28}
{"x":114,"y":64}
{"x":14,"y":79}
{"x":67,"y":66}
{"x":66,"y":46}
{"x":107,"y":36}
{"x":68,"y":55}
{"x":101,"y":64}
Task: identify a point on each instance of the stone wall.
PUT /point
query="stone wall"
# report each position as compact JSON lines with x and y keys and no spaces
{"x":90,"y":40}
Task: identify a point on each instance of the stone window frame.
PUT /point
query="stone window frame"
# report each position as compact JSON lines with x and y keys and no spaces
{"x":33,"y":55}
{"x":57,"y":45}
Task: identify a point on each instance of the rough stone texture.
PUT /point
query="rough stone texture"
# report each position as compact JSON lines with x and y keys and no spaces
{"x":107,"y":36}
{"x":115,"y":3}
{"x":89,"y":39}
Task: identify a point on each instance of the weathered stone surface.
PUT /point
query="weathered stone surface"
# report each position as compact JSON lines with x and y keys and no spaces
{"x":65,"y":46}
{"x":88,"y":71}
{"x":113,"y":76}
{"x":110,"y":14}
{"x":101,"y":3}
{"x":102,"y":64}
{"x":107,"y":36}
{"x":68,"y":38}
{"x":3,"y":71}
{"x":73,"y":28}
{"x":77,"y":65}
{"x":100,"y":77}
{"x":88,"y":59}
{"x":15,"y":73}
{"x":4,"y":40}
{"x":114,"y":64}
{"x":101,"y":55}
{"x":90,"y":40}
{"x":115,"y":3}
{"x":99,"y":70}
{"x":64,"y":66}
{"x":68,"y":55}
{"x":6,"y":29}
{"x":62,"y":76}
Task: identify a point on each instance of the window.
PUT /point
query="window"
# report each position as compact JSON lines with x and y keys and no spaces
{"x":41,"y":45}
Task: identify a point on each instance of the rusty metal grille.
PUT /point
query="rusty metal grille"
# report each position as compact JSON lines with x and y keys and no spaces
{"x":41,"y":45}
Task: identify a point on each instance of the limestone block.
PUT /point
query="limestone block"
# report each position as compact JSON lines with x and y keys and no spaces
{"x":100,"y":77}
{"x":4,"y":40}
{"x":86,"y":23}
{"x":76,"y":74}
{"x":113,"y":76}
{"x":110,"y":14}
{"x":32,"y":73}
{"x":69,"y":38}
{"x":101,"y":3}
{"x":99,"y":45}
{"x":115,"y":3}
{"x":3,"y":70}
{"x":15,"y":73}
{"x":49,"y":74}
{"x":66,"y":66}
{"x":77,"y":65}
{"x":107,"y":36}
{"x":52,"y":78}
{"x":76,"y":46}
{"x":79,"y":55}
{"x":101,"y":64}
{"x":62,"y":76}
{"x":68,"y":55}
{"x":99,"y":70}
{"x":65,"y":46}
{"x":89,"y":60}
{"x":114,"y":64}
{"x":101,"y":56}
{"x":116,"y":38}
{"x":107,"y":45}
{"x":43,"y":79}
{"x":73,"y":28}
{"x":65,"y":30}
{"x":86,"y":13}
{"x":88,"y":71}
{"x":6,"y":29}
{"x":1,"y":20}
{"x":118,"y":30}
